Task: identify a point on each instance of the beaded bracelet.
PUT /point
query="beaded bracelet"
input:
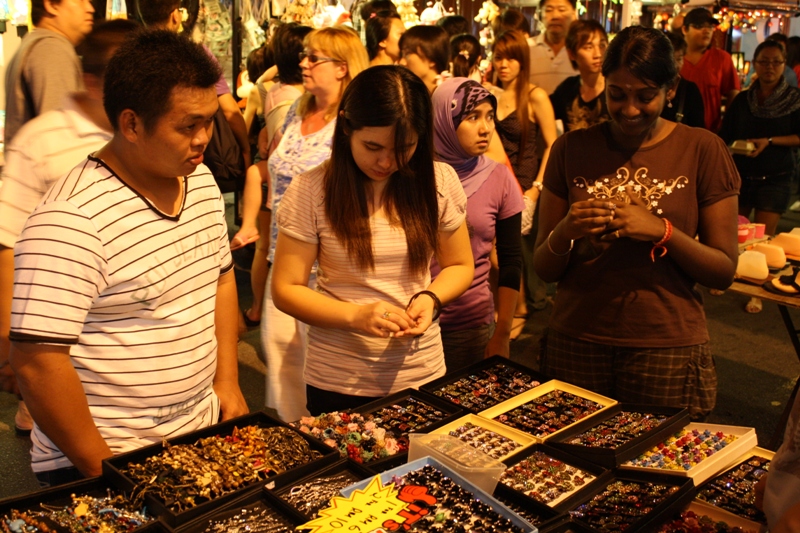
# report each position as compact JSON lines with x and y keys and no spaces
{"x":437,"y":303}
{"x":658,"y":246}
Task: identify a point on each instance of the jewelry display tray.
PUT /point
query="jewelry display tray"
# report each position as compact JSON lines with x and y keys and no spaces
{"x":449,"y":378}
{"x":62,"y":496}
{"x":541,"y":390}
{"x":614,"y":457}
{"x":451,"y":412}
{"x":602,"y":477}
{"x":711,"y":466}
{"x":499,"y":508}
{"x":663,"y":511}
{"x":524,"y":440}
{"x":112,"y":468}
{"x":727,"y":516}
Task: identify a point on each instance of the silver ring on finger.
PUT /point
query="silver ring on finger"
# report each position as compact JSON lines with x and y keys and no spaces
{"x":616,"y":233}
{"x":386,"y":315}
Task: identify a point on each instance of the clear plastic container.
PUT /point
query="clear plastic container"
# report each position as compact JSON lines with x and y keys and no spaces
{"x":474,"y":465}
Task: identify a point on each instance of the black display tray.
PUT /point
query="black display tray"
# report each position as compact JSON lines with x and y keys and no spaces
{"x":760,"y":517}
{"x":252,"y":498}
{"x":612,"y":458}
{"x":602,"y":475}
{"x":112,"y":468}
{"x":565,"y":525}
{"x":522,"y":505}
{"x":452,"y":377}
{"x":62,"y":496}
{"x":276,"y":495}
{"x":661,"y":513}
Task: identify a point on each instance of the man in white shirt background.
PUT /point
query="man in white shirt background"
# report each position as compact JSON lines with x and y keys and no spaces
{"x":550,"y":64}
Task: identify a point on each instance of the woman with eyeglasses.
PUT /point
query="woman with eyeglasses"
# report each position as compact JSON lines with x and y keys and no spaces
{"x":635,"y":213}
{"x":331,"y":59}
{"x":373,"y":217}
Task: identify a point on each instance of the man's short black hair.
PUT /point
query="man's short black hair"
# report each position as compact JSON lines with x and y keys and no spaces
{"x":454,"y":25}
{"x":143,"y":73}
{"x":155,"y":12}
{"x":38,"y":11}
{"x":96,"y":50}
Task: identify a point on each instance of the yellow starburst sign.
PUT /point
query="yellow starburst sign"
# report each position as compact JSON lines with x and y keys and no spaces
{"x":365,"y":511}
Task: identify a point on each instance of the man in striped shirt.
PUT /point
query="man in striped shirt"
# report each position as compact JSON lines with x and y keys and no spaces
{"x":124,"y":297}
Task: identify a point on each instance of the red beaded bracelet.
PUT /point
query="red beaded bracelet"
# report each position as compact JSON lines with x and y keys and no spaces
{"x":659,"y":246}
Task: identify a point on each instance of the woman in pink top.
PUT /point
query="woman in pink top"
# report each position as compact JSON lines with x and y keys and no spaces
{"x":372,"y":217}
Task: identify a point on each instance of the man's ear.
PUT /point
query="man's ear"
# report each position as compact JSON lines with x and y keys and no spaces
{"x":51,"y":8}
{"x":175,"y":19}
{"x":130,"y":125}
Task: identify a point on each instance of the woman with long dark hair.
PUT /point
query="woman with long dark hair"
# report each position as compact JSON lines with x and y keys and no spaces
{"x":373,"y":217}
{"x":635,"y":213}
{"x":383,"y":32}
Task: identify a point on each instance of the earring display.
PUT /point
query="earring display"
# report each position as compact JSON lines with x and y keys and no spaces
{"x":544,"y":478}
{"x":622,"y":504}
{"x":255,"y":520}
{"x":486,"y":387}
{"x":734,"y":490}
{"x":549,"y":413}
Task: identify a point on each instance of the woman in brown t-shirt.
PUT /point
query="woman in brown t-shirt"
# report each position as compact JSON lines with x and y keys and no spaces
{"x":622,"y":204}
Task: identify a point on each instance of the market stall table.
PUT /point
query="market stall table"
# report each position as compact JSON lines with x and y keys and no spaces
{"x":783,"y":302}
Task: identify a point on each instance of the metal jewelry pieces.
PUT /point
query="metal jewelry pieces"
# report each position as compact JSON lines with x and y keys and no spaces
{"x":544,"y":478}
{"x":186,"y":475}
{"x":355,"y":436}
{"x":18,"y":522}
{"x":621,"y":504}
{"x":386,"y":315}
{"x":691,"y":522}
{"x":109,"y":514}
{"x":491,"y":443}
{"x":255,"y":520}
{"x":734,"y":490}
{"x":549,"y":413}
{"x":447,"y":507}
{"x":309,"y":498}
{"x":683,"y":450}
{"x":487,"y":387}
{"x":618,"y":430}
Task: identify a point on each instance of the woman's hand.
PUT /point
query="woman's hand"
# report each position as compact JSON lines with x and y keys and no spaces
{"x":420,"y":313}
{"x":761,"y":144}
{"x":589,"y":217}
{"x":633,"y":220}
{"x":381,"y":319}
{"x":244,"y":236}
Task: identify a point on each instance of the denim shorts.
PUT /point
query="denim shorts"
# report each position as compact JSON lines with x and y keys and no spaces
{"x":766,"y":193}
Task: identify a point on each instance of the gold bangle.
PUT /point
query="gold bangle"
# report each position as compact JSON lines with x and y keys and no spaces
{"x":549,"y":247}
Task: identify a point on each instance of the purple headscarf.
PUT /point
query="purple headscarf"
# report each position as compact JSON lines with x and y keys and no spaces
{"x":452,"y":101}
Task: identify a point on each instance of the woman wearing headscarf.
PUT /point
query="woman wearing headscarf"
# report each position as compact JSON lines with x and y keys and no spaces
{"x":463,"y":114}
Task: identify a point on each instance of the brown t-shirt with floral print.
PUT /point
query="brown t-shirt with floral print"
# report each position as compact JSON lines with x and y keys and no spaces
{"x":614,"y":294}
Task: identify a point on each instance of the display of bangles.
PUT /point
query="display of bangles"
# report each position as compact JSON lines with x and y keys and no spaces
{"x":254,"y":520}
{"x":545,"y":478}
{"x":549,"y":413}
{"x":618,"y":430}
{"x":491,"y":443}
{"x":683,"y":450}
{"x":186,"y":475}
{"x":487,"y":387}
{"x":691,"y":522}
{"x":310,"y":497}
{"x":622,"y":503}
{"x":449,"y":507}
{"x":734,"y":490}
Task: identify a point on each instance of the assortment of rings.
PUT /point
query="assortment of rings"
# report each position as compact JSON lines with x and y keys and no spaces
{"x":309,"y":498}
{"x":690,"y":522}
{"x":408,"y":416}
{"x":544,"y":478}
{"x":621,"y":504}
{"x":618,"y":430}
{"x":454,"y":510}
{"x":185,"y":475}
{"x":549,"y":413}
{"x":734,"y":490}
{"x":491,"y":443}
{"x":255,"y":520}
{"x":486,"y":388}
{"x":683,"y":450}
{"x":526,"y":512}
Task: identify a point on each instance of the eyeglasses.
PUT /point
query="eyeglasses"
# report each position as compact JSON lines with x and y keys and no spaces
{"x":313,"y":59}
{"x":764,"y":63}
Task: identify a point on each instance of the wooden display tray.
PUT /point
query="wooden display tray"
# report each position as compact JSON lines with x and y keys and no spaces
{"x":112,"y":467}
{"x":614,"y":457}
{"x":541,"y":390}
{"x":727,"y":516}
{"x":524,"y":440}
{"x":711,"y":466}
